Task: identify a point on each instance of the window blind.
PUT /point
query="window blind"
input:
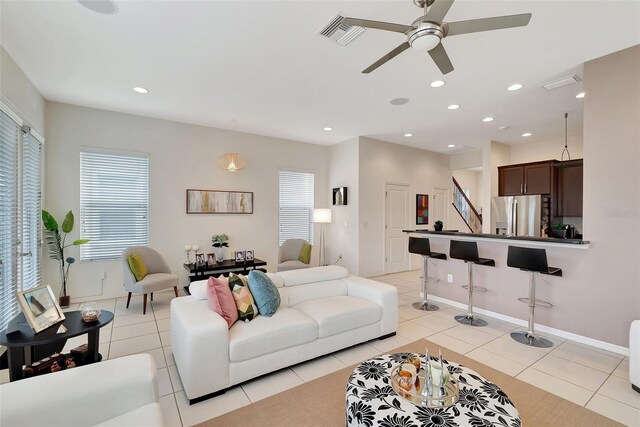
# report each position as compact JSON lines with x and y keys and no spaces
{"x":296,"y":206}
{"x":114,"y":204}
{"x":9,"y":133}
{"x":31,"y":207}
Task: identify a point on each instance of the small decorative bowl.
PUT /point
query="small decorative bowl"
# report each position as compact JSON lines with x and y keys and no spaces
{"x":90,"y":312}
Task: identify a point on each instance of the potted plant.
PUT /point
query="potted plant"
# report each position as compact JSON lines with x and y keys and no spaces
{"x":218,"y":241}
{"x":438,"y":225}
{"x":559,"y":231}
{"x":57,"y":245}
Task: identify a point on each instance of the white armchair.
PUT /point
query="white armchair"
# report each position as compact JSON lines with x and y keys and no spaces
{"x":117,"y":392}
{"x":158,"y":278}
{"x":289,"y":253}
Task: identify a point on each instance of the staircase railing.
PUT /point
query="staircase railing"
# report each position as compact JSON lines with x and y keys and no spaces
{"x":465,"y":208}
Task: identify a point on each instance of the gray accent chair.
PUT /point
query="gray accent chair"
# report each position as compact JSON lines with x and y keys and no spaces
{"x":289,"y":253}
{"x":158,"y":278}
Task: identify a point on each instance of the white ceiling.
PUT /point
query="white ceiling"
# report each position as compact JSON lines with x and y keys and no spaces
{"x":261,"y":67}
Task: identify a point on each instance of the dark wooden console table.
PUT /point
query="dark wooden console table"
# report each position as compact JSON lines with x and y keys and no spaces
{"x":23,"y":342}
{"x":225,"y":267}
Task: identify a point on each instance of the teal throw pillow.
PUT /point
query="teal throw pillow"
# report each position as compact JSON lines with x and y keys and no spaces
{"x":264,"y":292}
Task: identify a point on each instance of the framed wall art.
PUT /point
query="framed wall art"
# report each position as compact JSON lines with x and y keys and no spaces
{"x":40,"y":307}
{"x":340,"y":196}
{"x":219,"y":202}
{"x":422,"y":209}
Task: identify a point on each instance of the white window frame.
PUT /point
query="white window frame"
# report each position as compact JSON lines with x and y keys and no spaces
{"x":97,"y":249}
{"x":309,"y":206}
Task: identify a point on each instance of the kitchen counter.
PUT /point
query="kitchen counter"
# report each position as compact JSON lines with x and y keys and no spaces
{"x":540,"y":240}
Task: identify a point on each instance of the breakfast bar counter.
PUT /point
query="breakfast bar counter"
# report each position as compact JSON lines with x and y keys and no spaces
{"x":533,"y":241}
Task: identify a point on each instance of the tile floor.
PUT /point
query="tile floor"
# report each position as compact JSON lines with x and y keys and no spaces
{"x":591,"y":377}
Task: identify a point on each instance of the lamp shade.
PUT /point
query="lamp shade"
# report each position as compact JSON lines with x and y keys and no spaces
{"x":322,"y":215}
{"x":232,"y":162}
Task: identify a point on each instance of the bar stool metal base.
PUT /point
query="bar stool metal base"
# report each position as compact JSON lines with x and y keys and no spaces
{"x":530,"y":339}
{"x":470,"y":320}
{"x":425,"y":306}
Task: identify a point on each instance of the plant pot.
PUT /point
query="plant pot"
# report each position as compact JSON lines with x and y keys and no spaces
{"x":64,"y":301}
{"x":219,"y":254}
{"x":438,"y":227}
{"x":558,"y":233}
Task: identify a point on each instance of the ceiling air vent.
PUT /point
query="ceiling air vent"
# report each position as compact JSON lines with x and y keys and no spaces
{"x":565,"y":81}
{"x":341,"y":33}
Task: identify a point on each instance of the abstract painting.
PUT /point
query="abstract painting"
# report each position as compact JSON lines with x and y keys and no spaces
{"x":422,"y":209}
{"x":219,"y":202}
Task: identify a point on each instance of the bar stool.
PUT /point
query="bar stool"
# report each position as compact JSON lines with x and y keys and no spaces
{"x":533,"y":261}
{"x":468,"y":252}
{"x":421,"y":246}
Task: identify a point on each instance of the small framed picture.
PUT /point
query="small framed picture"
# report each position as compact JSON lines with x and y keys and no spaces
{"x":211,"y":259}
{"x":239,"y":256}
{"x":200,"y":260}
{"x":40,"y":307}
{"x":249,"y":256}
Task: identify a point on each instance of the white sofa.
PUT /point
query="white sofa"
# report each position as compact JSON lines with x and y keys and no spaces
{"x":117,"y":392}
{"x":323,"y":309}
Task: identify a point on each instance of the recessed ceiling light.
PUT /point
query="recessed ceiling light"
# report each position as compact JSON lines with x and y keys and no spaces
{"x":487,"y":119}
{"x":453,"y":107}
{"x":399,"y":101}
{"x":505,"y":127}
{"x":106,"y":7}
{"x":580,"y":95}
{"x":139,"y":89}
{"x":437,"y":83}
{"x":408,"y":135}
{"x":527,"y":134}
{"x":327,"y":129}
{"x":451,"y":145}
{"x":515,"y":86}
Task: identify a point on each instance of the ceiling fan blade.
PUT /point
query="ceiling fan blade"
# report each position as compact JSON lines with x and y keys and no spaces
{"x":438,"y":10}
{"x":440,"y":57}
{"x":377,"y":25}
{"x":395,"y":52}
{"x":488,"y":24}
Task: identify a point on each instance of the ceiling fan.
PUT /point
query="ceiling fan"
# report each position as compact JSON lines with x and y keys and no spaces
{"x":426,"y":33}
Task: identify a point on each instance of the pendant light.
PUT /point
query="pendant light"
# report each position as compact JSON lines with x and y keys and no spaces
{"x":566,"y":150}
{"x":232,"y":162}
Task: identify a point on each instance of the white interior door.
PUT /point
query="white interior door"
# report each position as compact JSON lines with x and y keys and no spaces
{"x":440,"y":206}
{"x":396,"y":255}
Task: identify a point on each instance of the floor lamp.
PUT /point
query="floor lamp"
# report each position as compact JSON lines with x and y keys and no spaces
{"x":322,"y":216}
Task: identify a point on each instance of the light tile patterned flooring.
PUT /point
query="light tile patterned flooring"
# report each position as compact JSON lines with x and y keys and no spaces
{"x":588,"y":376}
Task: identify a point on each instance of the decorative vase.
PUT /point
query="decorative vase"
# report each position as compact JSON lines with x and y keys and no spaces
{"x":218,"y":252}
{"x":64,"y":301}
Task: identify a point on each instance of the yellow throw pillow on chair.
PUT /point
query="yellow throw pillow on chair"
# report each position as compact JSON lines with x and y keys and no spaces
{"x":305,"y":253}
{"x":136,"y":264}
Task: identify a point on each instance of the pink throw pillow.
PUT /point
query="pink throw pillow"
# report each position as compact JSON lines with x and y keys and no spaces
{"x":221,"y":300}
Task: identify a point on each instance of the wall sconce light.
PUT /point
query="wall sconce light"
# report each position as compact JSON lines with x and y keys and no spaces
{"x":232,"y":162}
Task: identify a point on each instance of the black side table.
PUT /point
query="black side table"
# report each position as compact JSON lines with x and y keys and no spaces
{"x":24,"y":341}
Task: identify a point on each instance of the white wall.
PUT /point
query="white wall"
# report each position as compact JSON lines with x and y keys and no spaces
{"x":466,"y":159}
{"x":181,"y":156}
{"x":381,"y":163}
{"x":21,"y":95}
{"x":343,"y":172}
{"x":546,"y":150}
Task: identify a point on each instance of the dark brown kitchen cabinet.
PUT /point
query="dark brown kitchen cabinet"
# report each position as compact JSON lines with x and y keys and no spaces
{"x":525,"y":178}
{"x":569,"y":188}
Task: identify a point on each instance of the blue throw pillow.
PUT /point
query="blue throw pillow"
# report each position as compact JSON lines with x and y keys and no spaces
{"x":265,"y":293}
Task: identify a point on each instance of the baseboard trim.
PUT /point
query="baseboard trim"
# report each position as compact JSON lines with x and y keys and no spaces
{"x":542,"y":328}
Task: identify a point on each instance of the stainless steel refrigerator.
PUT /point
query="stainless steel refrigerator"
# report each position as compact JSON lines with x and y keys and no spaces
{"x":516,"y":215}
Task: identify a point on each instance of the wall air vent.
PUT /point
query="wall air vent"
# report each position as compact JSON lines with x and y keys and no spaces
{"x":341,"y":33}
{"x":565,"y":81}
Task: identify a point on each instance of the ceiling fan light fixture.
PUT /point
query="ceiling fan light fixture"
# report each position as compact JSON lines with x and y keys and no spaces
{"x":425,"y":43}
{"x":232,"y":162}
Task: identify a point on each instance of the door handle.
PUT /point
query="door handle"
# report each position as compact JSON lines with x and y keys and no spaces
{"x":521,"y":189}
{"x":525,"y":188}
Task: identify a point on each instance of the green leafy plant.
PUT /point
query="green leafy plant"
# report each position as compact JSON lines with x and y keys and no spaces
{"x":219,"y":240}
{"x":560,"y":226}
{"x":57,"y":244}
{"x":438,"y":223}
